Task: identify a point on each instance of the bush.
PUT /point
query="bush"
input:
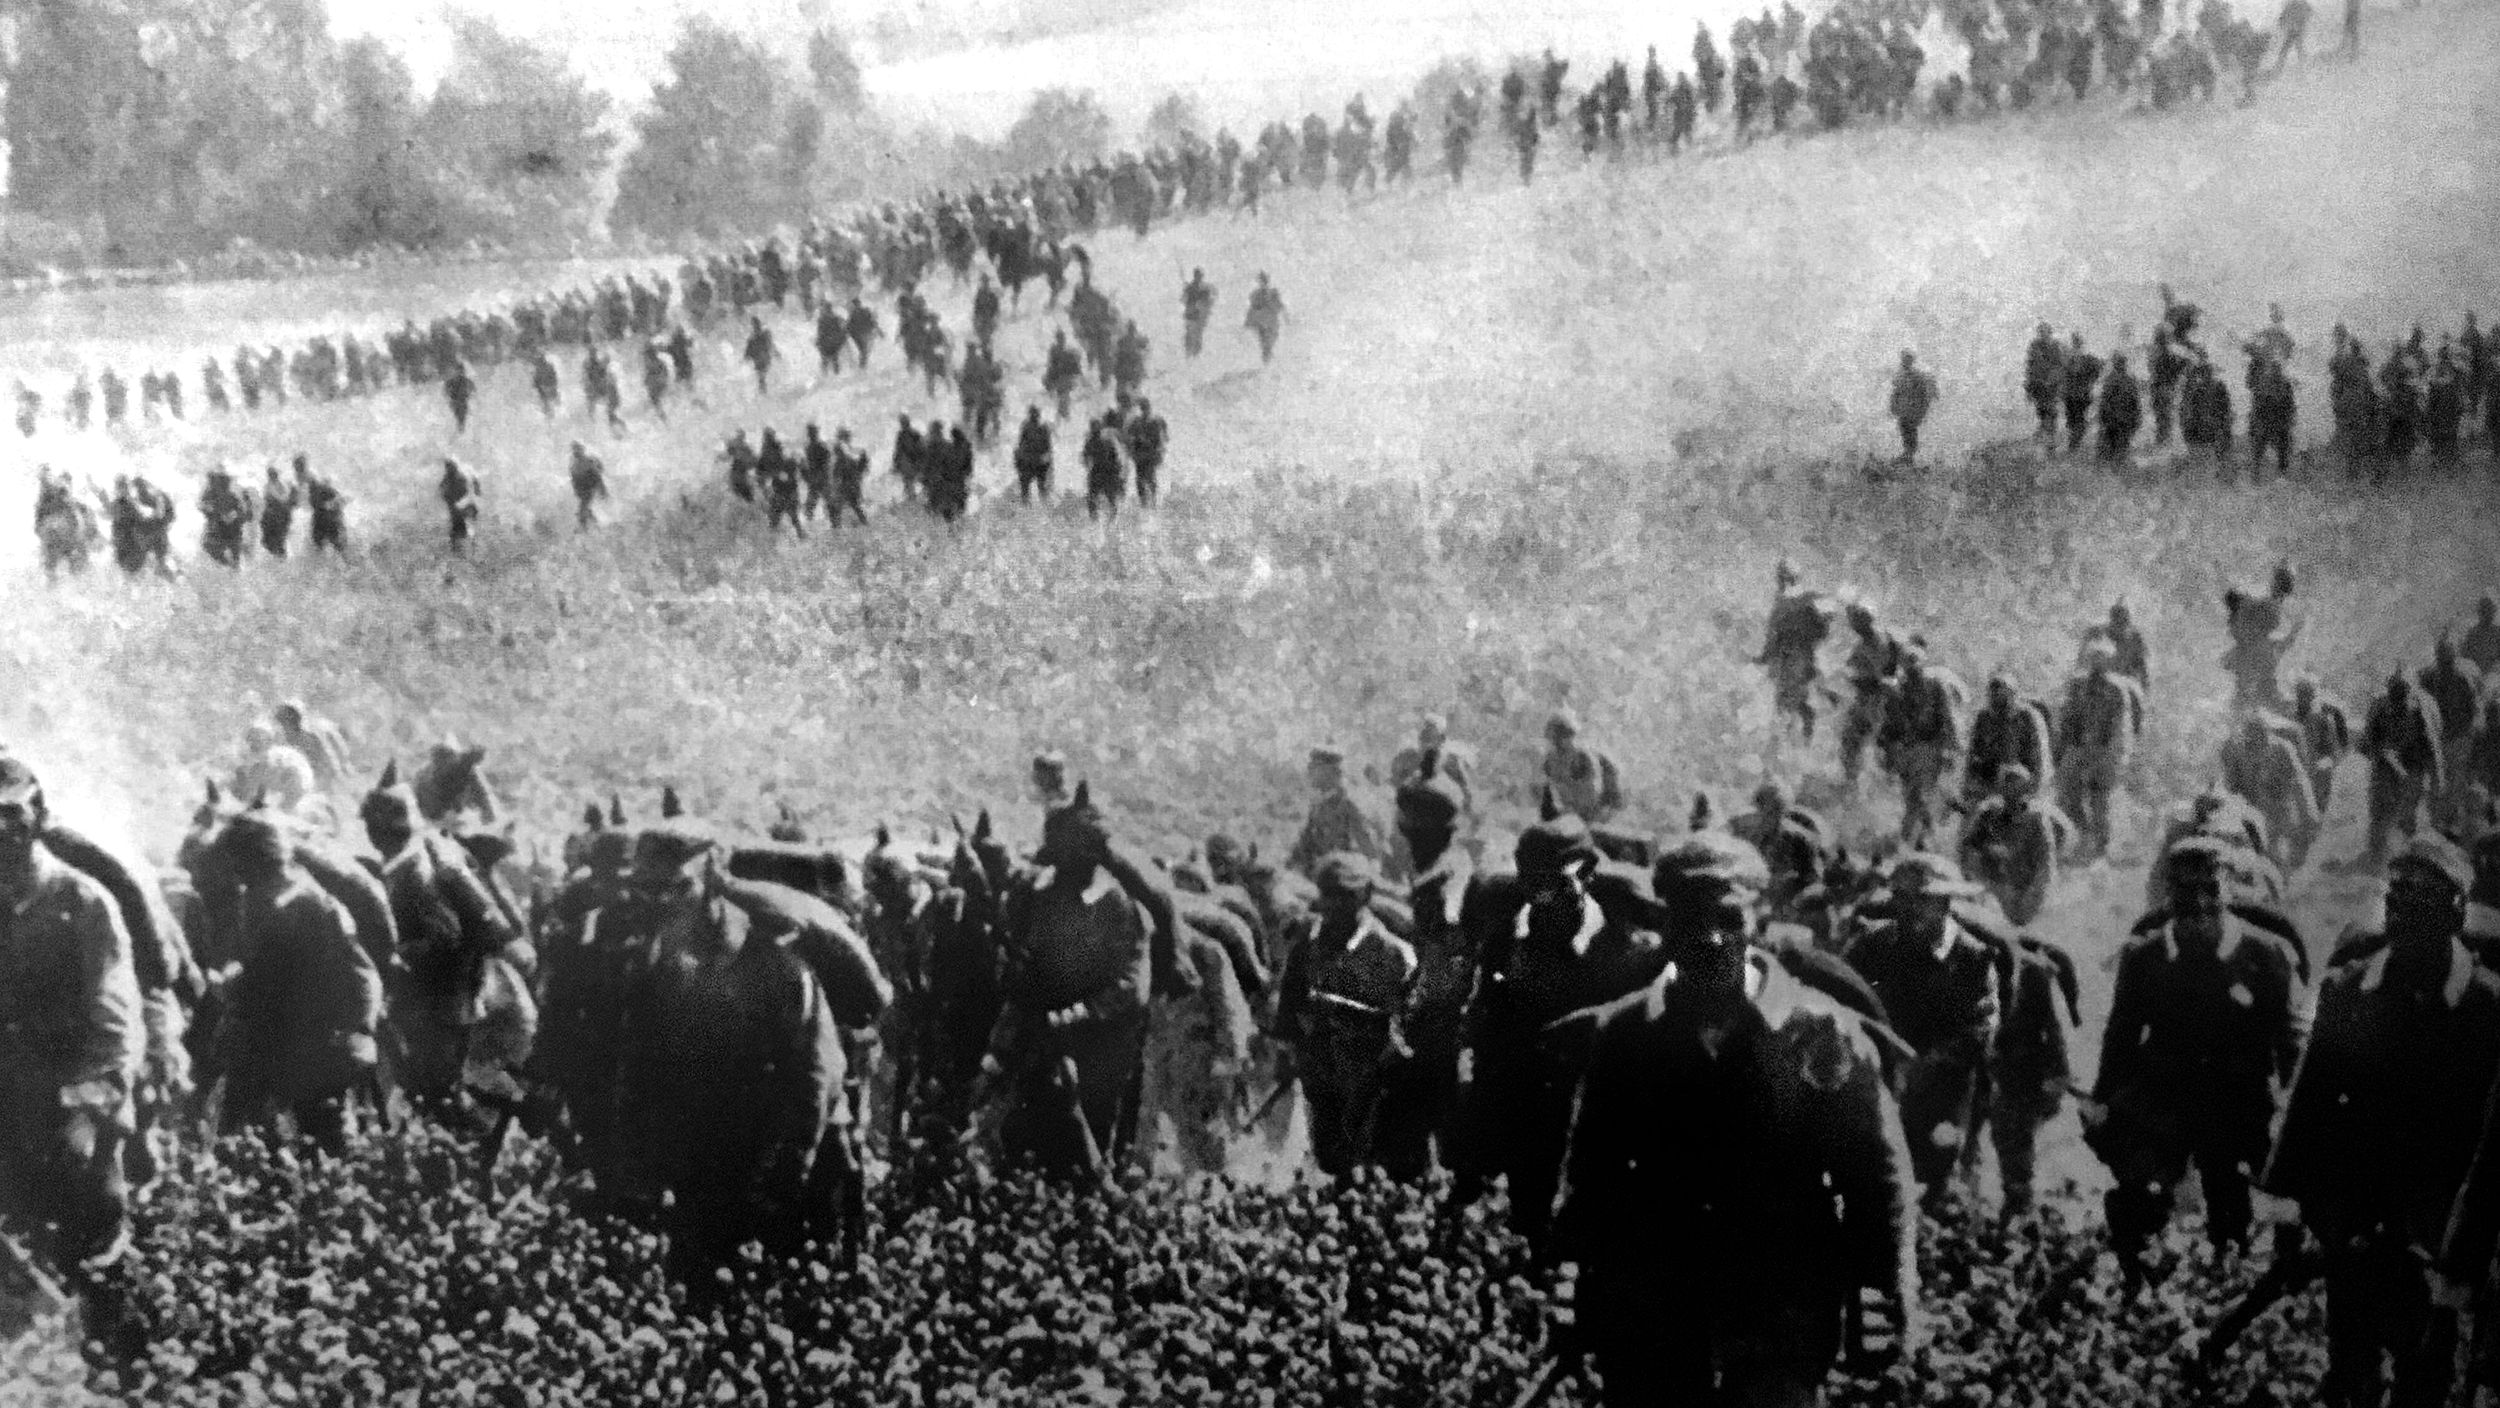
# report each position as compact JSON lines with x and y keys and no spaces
{"x":395,"y":1276}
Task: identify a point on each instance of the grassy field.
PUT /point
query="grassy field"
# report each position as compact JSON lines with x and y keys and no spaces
{"x":1521,"y":448}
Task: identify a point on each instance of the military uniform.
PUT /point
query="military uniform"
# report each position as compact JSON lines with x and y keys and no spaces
{"x":1592,"y":943}
{"x":1584,"y":781}
{"x":2016,"y":732}
{"x":2199,"y":1037}
{"x":1872,"y":660}
{"x":72,"y":1039}
{"x":1424,"y":1098}
{"x":1341,"y":1006}
{"x":1736,"y":1174}
{"x":2265,"y":767}
{"x":1337,"y":822}
{"x":1945,"y":995}
{"x":2012,"y":845}
{"x":2097,"y":728}
{"x":1919,"y":736}
{"x":303,"y":1017}
{"x":2408,"y":765}
{"x":2381,"y":1133}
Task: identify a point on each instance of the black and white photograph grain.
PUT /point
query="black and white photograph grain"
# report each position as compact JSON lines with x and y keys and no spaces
{"x":1250,"y":704}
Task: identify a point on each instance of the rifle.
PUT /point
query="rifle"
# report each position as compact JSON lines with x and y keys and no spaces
{"x":1274,"y":1097}
{"x":2295,"y":1265}
{"x":1563,"y":1353}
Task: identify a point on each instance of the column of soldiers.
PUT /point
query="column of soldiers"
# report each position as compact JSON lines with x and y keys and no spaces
{"x":2413,"y":401}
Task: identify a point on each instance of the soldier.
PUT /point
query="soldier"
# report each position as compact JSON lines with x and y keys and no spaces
{"x":864,"y":329}
{"x":655,"y":377}
{"x":2012,"y":842}
{"x":2204,"y":1027}
{"x":460,"y":491}
{"x":459,"y":388}
{"x":850,"y":479}
{"x":1873,"y":658}
{"x":1582,"y":781}
{"x":1341,"y":1009}
{"x":2262,"y":764}
{"x":72,"y":1041}
{"x":451,"y":785}
{"x":2481,"y":645}
{"x":1452,"y":762}
{"x":225,"y":519}
{"x":543,"y":381}
{"x":1791,"y":841}
{"x":2031,"y":1066}
{"x":317,"y":738}
{"x":1106,"y":475}
{"x":2454,"y":689}
{"x":1563,"y":937}
{"x":2080,"y":374}
{"x":1913,"y":395}
{"x":778,"y":476}
{"x":1919,"y":737}
{"x":303,"y":1016}
{"x":2381,"y":1130}
{"x":985,"y":309}
{"x":909,"y":455}
{"x":273,"y":769}
{"x":1336,"y":821}
{"x":590,"y":484}
{"x":1197,"y":309}
{"x":732,"y":1065}
{"x":1147,"y":435}
{"x":816,"y":473}
{"x":1943,"y":986}
{"x":1128,"y":361}
{"x":277,"y":513}
{"x":1062,"y":371}
{"x":1416,"y":1114}
{"x":1729,"y":1277}
{"x":2272,"y":411}
{"x":2325,"y":736}
{"x":1033,"y":456}
{"x":2008,"y":729}
{"x":2097,"y":727}
{"x":2408,"y":766}
{"x":2263,"y":631}
{"x":2164,"y":370}
{"x":2122,"y":409}
{"x":1799,"y":623}
{"x":1266,"y":317}
{"x":2044,"y":381}
{"x":680,"y":347}
{"x":326,"y":504}
{"x":758,"y":352}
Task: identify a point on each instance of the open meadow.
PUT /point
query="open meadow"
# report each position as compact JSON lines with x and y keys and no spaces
{"x":1521,"y":448}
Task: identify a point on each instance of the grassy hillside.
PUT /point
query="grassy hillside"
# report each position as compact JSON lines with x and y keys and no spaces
{"x":1521,"y":449}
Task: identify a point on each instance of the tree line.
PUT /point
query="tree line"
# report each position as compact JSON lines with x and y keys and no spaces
{"x":143,"y":131}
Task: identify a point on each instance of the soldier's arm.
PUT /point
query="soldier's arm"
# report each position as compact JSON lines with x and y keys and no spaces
{"x":856,"y":989}
{"x":111,"y":1035}
{"x":806,"y":1080}
{"x":1870,"y":1167}
{"x":2473,"y":1230}
{"x":2122,"y":1040}
{"x":482,"y":922}
{"x":1597,"y":1159}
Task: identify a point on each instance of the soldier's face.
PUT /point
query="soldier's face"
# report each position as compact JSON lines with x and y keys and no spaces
{"x":2420,"y":900}
{"x":2196,"y":906}
{"x":21,"y":821}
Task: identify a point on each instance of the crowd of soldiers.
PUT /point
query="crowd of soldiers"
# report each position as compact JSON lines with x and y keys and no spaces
{"x":690,"y":1014}
{"x":2416,"y":400}
{"x":137,"y":518}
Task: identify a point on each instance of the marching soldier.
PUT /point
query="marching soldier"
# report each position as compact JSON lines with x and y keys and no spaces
{"x":1943,"y":986}
{"x":758,"y":352}
{"x":2263,"y":765}
{"x":1266,"y":317}
{"x":2408,"y":767}
{"x":1197,"y":310}
{"x":590,"y":484}
{"x":2204,"y":1027}
{"x":1062,"y":371}
{"x":1582,"y":781}
{"x":1736,"y":1179}
{"x":1033,"y":456}
{"x":1336,"y":821}
{"x":2079,"y":375}
{"x":460,"y":491}
{"x":72,"y":1041}
{"x":2007,"y":730}
{"x":2325,"y":735}
{"x":2012,"y":844}
{"x":2097,"y":729}
{"x":1416,"y":1115}
{"x":1919,"y":737}
{"x":277,"y":512}
{"x":1564,"y":936}
{"x":732,"y":1065}
{"x":1341,"y":1008}
{"x":1913,"y":396}
{"x":1798,"y":625}
{"x":2381,"y":1131}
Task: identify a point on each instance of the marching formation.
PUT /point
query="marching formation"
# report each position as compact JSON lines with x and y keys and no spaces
{"x":740,"y":1039}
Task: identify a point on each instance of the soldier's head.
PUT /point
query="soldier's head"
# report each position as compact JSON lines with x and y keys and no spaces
{"x":1924,"y":886}
{"x":257,"y":847}
{"x":390,"y":812}
{"x":1770,"y":800}
{"x":1428,"y":809}
{"x":1225,"y":859}
{"x":2304,"y":690}
{"x":2078,"y":342}
{"x":1862,"y":618}
{"x":2195,"y":872}
{"x":1562,"y":729}
{"x":1433,"y":729}
{"x":22,"y":816}
{"x":2015,"y":783}
{"x":673,"y":863}
{"x":1345,"y":880}
{"x":1784,"y":575}
{"x":2282,"y":581}
{"x":1554,"y":859}
{"x":289,"y":716}
{"x":2426,"y":888}
{"x":2399,"y":689}
{"x":1711,"y":887}
{"x":2444,"y":650}
{"x":2119,"y":616}
{"x":2047,"y":331}
{"x":2117,"y":361}
{"x":1325,"y":768}
{"x":1909,"y":359}
{"x":2000,"y":692}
